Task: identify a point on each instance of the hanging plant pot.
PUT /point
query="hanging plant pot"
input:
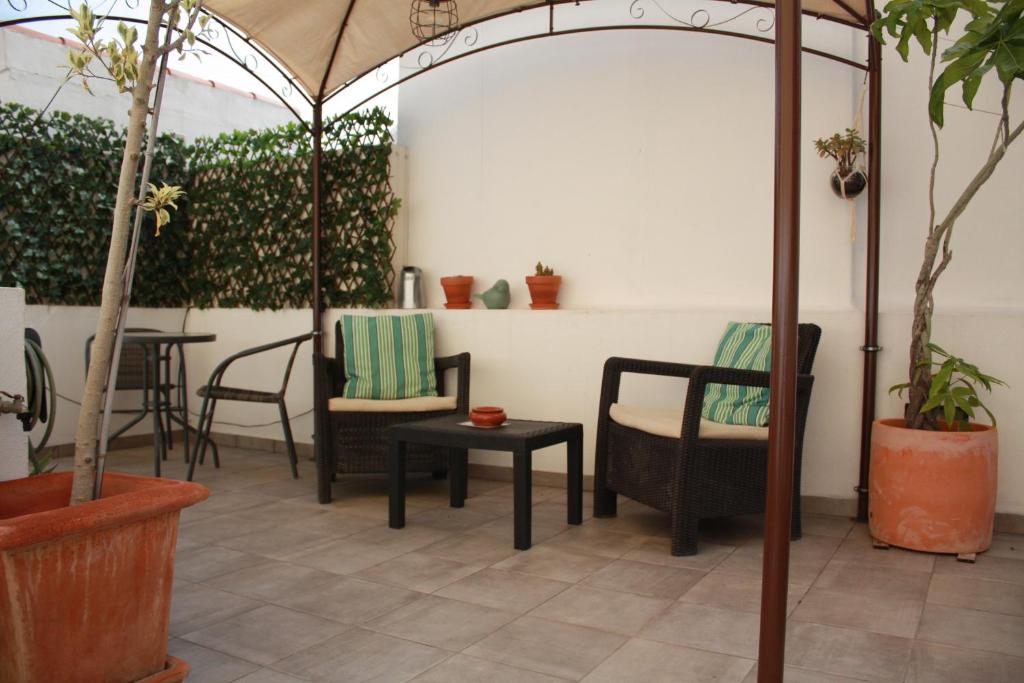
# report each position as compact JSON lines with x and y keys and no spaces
{"x":849,"y":186}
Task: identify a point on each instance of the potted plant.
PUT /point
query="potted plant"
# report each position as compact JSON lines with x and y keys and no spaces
{"x":848,"y":179}
{"x":457,"y":290}
{"x":544,"y":286}
{"x":934,"y":464}
{"x":85,"y":583}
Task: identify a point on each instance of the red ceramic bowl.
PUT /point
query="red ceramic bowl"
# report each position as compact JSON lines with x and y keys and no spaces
{"x":487,"y":416}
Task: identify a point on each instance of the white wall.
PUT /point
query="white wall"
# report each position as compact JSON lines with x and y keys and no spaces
{"x":32,"y":68}
{"x":13,"y":444}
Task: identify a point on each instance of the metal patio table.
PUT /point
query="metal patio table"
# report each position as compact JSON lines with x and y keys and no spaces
{"x":520,"y":437}
{"x":153,"y":341}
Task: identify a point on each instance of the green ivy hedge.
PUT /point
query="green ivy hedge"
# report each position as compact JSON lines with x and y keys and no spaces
{"x":242,"y":237}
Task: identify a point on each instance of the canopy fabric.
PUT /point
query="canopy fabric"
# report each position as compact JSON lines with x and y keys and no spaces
{"x":303,"y":35}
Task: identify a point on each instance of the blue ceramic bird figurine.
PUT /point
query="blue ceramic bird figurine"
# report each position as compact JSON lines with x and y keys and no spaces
{"x":497,"y":296}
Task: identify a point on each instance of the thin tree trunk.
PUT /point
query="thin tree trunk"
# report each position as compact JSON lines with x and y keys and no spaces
{"x":86,"y":437}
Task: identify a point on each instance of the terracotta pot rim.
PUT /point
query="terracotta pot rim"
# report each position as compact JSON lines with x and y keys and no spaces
{"x":144,"y":497}
{"x":901,"y":423}
{"x":456,"y":279}
{"x":543,"y":278}
{"x":487,"y":409}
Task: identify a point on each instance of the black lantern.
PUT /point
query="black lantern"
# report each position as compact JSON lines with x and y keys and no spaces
{"x":432,"y":20}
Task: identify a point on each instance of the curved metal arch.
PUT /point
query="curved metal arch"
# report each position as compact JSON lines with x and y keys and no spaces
{"x":583,"y":30}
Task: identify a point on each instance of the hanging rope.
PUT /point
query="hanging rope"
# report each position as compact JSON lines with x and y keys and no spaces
{"x":858,"y":123}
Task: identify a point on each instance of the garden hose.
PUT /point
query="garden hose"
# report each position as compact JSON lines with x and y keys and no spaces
{"x":40,"y":397}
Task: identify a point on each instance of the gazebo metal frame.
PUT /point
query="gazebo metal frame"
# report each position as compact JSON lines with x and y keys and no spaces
{"x":786,"y":22}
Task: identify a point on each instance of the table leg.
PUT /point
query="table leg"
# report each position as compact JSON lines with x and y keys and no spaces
{"x":522,"y":470}
{"x":574,"y":451}
{"x":158,"y":429}
{"x":457,"y":458}
{"x":396,"y":485}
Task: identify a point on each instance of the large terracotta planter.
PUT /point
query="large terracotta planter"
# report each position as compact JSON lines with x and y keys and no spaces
{"x":544,"y":290}
{"x":933,"y":491}
{"x":457,"y":289}
{"x":85,"y":591}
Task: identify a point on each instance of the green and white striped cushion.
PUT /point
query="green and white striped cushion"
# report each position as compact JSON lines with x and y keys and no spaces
{"x":744,"y":346}
{"x":389,"y":356}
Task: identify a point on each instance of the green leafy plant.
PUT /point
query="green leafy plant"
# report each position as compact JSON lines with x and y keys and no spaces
{"x":845,"y":148}
{"x":952,"y":392}
{"x":992,"y":43}
{"x":543,"y":270}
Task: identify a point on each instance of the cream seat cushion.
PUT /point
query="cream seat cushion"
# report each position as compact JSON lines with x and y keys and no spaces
{"x":670,"y":423}
{"x":420,"y":404}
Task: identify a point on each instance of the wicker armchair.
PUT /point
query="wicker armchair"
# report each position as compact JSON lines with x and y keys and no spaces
{"x":358,"y":440}
{"x":691,"y":477}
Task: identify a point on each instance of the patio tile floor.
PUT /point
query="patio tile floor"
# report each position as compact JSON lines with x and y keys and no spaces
{"x":271,"y":587}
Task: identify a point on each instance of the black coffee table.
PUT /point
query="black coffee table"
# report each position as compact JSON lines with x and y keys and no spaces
{"x":520,"y":437}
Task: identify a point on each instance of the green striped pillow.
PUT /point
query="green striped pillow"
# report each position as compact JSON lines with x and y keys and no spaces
{"x":744,"y":346}
{"x":389,"y":356}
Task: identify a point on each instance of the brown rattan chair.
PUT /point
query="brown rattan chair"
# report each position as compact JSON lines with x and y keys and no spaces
{"x":214,"y":391}
{"x":358,"y":440}
{"x":689,"y":477}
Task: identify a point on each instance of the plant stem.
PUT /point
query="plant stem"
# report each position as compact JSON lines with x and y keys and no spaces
{"x":86,"y":436}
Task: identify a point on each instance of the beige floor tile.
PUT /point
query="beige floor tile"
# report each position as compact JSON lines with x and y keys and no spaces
{"x":954,"y":590}
{"x":557,"y":510}
{"x":741,"y":592}
{"x":207,"y":562}
{"x":444,"y":623}
{"x":418,"y":572}
{"x":281,"y":512}
{"x":873,"y":581}
{"x":636,"y":519}
{"x":222,"y":527}
{"x":401,"y":540}
{"x":642,"y":578}
{"x":229,"y":502}
{"x":807,"y":559}
{"x":594,"y":541}
{"x":272,"y":580}
{"x":548,"y":647}
{"x":288,"y":488}
{"x":890,"y":615}
{"x":277,"y":542}
{"x":350,"y":600}
{"x":209,"y":666}
{"x":553,"y":563}
{"x":986,"y":567}
{"x":651,"y":662}
{"x":737,"y":530}
{"x":605,"y":610}
{"x":1007,"y":546}
{"x":932,"y":663}
{"x":343,"y":556}
{"x":792,"y":674}
{"x":450,"y":519}
{"x":465,"y":669}
{"x":827,"y":525}
{"x":659,"y":551}
{"x":847,"y":652}
{"x":195,"y":606}
{"x":716,"y":629}
{"x":333,"y":523}
{"x":511,"y":591}
{"x":971,"y":629}
{"x":857,"y":547}
{"x":471,"y":549}
{"x":360,"y":656}
{"x":266,"y":634}
{"x":504,"y":528}
{"x":268,"y":676}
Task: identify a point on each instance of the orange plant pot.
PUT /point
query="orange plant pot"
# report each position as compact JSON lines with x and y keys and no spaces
{"x":933,"y":491}
{"x":544,"y":290}
{"x":85,"y":591}
{"x":457,"y":289}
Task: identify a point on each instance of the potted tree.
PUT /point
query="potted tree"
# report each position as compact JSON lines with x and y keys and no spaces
{"x":848,"y":179}
{"x":933,"y":472}
{"x":85,"y":583}
{"x":544,"y":285}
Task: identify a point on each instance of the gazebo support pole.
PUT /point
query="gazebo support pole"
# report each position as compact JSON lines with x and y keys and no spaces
{"x":323,"y":474}
{"x":785,"y":315}
{"x":871,"y":347}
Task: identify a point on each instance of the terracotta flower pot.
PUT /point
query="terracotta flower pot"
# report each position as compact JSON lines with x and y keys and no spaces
{"x":457,"y":289}
{"x":933,"y":491}
{"x":544,"y":290}
{"x":85,"y":591}
{"x":487,"y":416}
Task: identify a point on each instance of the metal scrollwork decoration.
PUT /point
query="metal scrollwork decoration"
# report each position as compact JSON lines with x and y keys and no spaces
{"x":469,"y":38}
{"x":701,"y":19}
